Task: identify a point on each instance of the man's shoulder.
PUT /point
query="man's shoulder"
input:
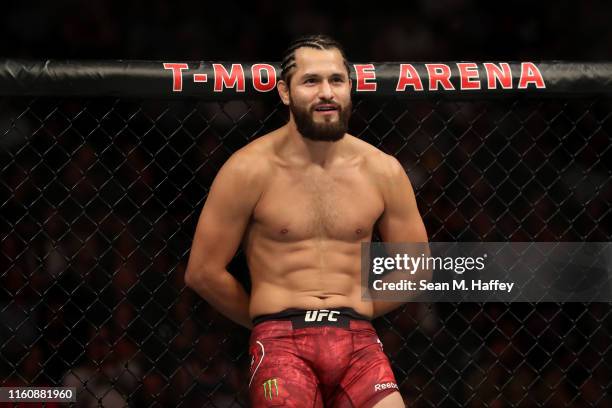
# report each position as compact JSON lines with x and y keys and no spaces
{"x":377,"y":161}
{"x":254,"y":158}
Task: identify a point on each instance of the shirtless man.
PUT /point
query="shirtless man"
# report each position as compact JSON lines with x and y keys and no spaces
{"x":301,"y":199}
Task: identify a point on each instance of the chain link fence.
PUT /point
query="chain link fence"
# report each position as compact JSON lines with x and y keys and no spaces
{"x":100,"y":198}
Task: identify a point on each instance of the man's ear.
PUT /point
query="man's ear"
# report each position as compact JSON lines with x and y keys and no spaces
{"x":283,"y":91}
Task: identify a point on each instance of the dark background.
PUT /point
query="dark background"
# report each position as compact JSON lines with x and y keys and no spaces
{"x":259,"y":30}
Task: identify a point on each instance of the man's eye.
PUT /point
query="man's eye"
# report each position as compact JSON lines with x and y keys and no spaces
{"x":309,"y":81}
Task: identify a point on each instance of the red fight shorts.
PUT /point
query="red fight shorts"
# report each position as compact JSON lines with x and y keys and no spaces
{"x":317,"y":358}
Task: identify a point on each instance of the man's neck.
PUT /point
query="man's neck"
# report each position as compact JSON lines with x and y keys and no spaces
{"x":306,"y":150}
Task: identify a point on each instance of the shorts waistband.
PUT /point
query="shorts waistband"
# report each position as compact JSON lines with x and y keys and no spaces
{"x":301,"y":318}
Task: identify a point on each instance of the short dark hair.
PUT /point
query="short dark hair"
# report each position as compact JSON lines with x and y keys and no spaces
{"x":318,"y":42}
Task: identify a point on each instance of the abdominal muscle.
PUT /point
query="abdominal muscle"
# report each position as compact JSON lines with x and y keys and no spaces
{"x":308,"y":275}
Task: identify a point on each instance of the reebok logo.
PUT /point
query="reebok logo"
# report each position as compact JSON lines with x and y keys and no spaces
{"x":385,"y":386}
{"x":319,"y":315}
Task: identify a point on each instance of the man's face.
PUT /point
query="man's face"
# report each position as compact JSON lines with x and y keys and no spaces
{"x":320,"y":94}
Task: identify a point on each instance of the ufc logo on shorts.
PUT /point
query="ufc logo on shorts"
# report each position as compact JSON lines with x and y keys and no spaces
{"x":319,"y":315}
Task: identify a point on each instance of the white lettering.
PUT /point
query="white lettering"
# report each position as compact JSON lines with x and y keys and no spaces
{"x":492,"y":285}
{"x":319,"y":315}
{"x":459,"y":285}
{"x":385,"y":386}
{"x":322,"y":314}
{"x":311,"y":316}
{"x":377,"y":265}
{"x":403,"y":284}
{"x":424,"y":285}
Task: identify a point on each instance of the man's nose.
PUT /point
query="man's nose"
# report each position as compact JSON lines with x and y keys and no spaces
{"x":325,"y":90}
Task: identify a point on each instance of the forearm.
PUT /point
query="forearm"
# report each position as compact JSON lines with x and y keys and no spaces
{"x":226,"y":295}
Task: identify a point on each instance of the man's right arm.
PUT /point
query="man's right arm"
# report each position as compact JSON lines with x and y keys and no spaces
{"x":222,"y":223}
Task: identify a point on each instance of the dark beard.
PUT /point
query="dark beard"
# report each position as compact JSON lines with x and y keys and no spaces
{"x":323,"y":132}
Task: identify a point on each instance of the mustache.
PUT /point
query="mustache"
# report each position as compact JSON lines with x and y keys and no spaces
{"x":329,"y":103}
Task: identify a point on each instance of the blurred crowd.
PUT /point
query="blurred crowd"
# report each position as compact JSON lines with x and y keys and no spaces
{"x":246,"y":31}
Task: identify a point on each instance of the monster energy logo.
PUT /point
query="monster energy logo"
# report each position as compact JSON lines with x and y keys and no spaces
{"x":268,"y":390}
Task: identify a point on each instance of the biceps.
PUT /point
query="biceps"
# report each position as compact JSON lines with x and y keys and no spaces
{"x":404,"y":226}
{"x":218,"y":236}
{"x":401,"y":221}
{"x":221,"y":226}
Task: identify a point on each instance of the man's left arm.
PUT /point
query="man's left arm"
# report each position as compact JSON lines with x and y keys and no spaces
{"x":401,"y":220}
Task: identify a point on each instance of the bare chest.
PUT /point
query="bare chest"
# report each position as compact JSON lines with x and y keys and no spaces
{"x":343,"y":206}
